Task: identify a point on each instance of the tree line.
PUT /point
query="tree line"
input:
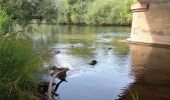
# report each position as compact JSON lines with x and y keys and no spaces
{"x":21,"y":12}
{"x":95,"y":12}
{"x":88,"y":12}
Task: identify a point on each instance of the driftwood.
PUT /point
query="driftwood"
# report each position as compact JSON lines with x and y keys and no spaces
{"x":59,"y":73}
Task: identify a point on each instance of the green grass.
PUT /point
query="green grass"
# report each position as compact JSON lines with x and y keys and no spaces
{"x":18,"y":70}
{"x":134,"y":96}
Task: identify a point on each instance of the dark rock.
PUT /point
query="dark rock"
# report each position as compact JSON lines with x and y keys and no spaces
{"x":53,"y":51}
{"x":53,"y":68}
{"x":94,"y":62}
{"x":57,"y":52}
{"x":110,"y":48}
{"x":78,"y":45}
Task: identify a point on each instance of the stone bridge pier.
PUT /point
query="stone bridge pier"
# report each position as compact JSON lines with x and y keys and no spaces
{"x":151,"y":22}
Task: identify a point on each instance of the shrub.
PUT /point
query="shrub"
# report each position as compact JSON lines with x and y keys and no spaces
{"x":111,"y":12}
{"x":98,"y":12}
{"x":5,"y":22}
{"x":18,"y":70}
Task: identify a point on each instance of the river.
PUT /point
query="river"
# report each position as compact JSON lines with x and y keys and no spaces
{"x":121,"y":68}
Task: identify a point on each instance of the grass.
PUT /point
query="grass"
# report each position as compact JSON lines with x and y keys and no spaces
{"x":134,"y":96}
{"x":18,"y":70}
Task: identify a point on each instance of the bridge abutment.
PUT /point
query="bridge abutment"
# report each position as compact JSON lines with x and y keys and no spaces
{"x":151,"y":23}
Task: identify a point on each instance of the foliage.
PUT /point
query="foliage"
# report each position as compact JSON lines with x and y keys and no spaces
{"x":20,"y":10}
{"x":72,"y":11}
{"x":63,"y":12}
{"x":98,"y":12}
{"x":16,"y":14}
{"x":46,"y":9}
{"x":18,"y":70}
{"x":78,"y":11}
{"x":5,"y":22}
{"x":25,"y":10}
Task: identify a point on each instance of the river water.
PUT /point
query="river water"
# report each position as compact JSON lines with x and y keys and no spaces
{"x":121,"y":68}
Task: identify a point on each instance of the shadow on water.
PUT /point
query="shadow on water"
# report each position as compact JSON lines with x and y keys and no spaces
{"x":151,"y":68}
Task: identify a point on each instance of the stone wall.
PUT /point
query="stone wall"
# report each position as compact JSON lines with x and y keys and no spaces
{"x":151,"y":22}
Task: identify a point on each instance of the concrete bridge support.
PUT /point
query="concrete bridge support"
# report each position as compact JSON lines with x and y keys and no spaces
{"x":151,"y":22}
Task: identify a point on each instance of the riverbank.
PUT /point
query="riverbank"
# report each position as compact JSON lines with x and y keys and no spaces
{"x":78,"y":24}
{"x":19,"y":68}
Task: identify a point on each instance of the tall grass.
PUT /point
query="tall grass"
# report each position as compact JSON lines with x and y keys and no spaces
{"x":18,"y":70}
{"x":134,"y":96}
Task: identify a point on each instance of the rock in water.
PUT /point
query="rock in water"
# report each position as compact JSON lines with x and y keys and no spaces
{"x":109,"y":48}
{"x":78,"y":45}
{"x":53,"y":68}
{"x":55,"y":52}
{"x":94,"y":62}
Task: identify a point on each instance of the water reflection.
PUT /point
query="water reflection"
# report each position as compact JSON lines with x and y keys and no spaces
{"x":151,"y":69}
{"x":141,"y":69}
{"x":104,"y":81}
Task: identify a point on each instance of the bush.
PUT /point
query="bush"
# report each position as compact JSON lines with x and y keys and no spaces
{"x":72,"y":11}
{"x":109,"y":12}
{"x":63,"y":12}
{"x":18,"y":70}
{"x":97,"y":12}
{"x":5,"y":22}
{"x":78,"y":12}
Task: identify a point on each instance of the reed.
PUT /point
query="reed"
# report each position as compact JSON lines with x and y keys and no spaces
{"x":18,"y":70}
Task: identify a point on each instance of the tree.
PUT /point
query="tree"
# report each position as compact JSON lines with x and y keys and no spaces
{"x":21,"y":12}
{"x":98,"y":12}
{"x":5,"y":22}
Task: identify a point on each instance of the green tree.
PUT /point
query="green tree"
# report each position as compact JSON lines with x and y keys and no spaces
{"x":97,"y":12}
{"x":23,"y":11}
{"x":46,"y":9}
{"x":5,"y":22}
{"x":114,"y":12}
{"x":78,"y":11}
{"x":64,"y":11}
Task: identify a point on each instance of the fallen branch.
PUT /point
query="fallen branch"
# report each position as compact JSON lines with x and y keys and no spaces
{"x":50,"y":87}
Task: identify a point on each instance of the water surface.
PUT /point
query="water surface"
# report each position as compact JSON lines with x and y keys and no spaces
{"x":121,"y":67}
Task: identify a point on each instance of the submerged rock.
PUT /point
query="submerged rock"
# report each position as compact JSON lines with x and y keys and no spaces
{"x":110,"y":48}
{"x":54,"y":51}
{"x":78,"y":45}
{"x":93,"y":62}
{"x":53,"y":68}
